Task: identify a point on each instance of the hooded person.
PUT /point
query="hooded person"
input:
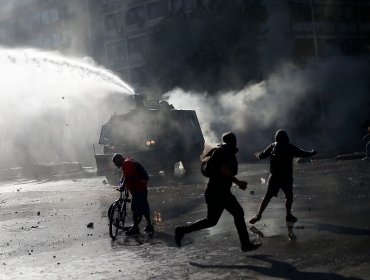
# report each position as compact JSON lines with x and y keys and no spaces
{"x":218,"y":194}
{"x":281,"y":154}
{"x":366,"y":138}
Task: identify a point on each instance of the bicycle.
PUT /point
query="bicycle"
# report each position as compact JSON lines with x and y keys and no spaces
{"x":117,"y":212}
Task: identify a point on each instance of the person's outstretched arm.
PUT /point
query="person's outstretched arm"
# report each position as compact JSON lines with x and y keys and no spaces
{"x":297,"y":152}
{"x":265,"y":153}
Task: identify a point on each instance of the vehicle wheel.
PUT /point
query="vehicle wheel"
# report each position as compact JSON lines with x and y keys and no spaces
{"x":169,"y":170}
{"x":191,"y":167}
{"x":114,"y":220}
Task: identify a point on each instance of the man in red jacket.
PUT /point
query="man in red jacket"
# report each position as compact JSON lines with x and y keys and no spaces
{"x":136,"y":183}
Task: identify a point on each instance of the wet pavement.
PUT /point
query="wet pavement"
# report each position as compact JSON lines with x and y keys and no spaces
{"x":44,"y":232}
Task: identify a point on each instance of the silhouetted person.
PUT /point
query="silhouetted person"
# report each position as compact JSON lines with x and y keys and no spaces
{"x":281,"y":154}
{"x":366,"y":124}
{"x":137,"y":185}
{"x":219,"y":197}
{"x":170,"y":137}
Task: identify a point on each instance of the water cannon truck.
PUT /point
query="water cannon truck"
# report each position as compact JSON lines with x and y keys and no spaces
{"x":153,"y":133}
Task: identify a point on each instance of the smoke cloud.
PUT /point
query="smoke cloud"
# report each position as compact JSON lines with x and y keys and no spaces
{"x":320,"y":106}
{"x":52,"y":107}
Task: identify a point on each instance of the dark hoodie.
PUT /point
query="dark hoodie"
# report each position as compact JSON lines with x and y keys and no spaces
{"x":281,"y":154}
{"x":225,"y":154}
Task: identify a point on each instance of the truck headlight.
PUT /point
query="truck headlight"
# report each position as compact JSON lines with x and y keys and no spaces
{"x":150,"y":142}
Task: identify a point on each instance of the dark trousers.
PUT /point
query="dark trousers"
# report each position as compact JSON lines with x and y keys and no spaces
{"x":140,"y":207}
{"x":216,"y":203}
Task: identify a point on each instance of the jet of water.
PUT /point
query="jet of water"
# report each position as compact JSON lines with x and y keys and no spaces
{"x":52,"y":107}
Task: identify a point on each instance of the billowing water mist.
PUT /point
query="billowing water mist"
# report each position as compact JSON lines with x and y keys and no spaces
{"x":52,"y":107}
{"x":320,"y":106}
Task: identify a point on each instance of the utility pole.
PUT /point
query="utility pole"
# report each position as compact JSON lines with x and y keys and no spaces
{"x":317,"y":62}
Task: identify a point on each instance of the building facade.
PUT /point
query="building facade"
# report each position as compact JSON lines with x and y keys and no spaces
{"x":126,"y":27}
{"x":325,"y":28}
{"x":300,"y":30}
{"x":115,"y":32}
{"x":46,"y":24}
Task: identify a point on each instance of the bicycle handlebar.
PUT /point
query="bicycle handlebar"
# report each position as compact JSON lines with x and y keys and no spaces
{"x":121,"y":186}
{"x":121,"y":183}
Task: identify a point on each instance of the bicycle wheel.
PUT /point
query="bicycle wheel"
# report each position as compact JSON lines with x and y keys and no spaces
{"x":114,"y":220}
{"x":123,"y":216}
{"x":110,"y":210}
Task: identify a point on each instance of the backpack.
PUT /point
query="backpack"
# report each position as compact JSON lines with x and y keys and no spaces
{"x":207,"y":166}
{"x":143,"y":174}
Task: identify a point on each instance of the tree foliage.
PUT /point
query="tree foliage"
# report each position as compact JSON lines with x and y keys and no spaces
{"x":211,"y":48}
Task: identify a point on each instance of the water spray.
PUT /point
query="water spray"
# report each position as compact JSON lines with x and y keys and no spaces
{"x":35,"y":57}
{"x":52,"y":106}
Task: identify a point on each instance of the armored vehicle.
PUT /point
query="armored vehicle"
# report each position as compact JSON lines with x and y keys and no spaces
{"x":157,"y":137}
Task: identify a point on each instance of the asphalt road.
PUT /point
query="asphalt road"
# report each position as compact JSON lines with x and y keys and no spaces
{"x":44,"y":233}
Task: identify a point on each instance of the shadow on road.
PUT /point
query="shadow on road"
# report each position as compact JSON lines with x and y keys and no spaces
{"x":289,"y":225}
{"x":143,"y":239}
{"x":341,"y":229}
{"x":279,"y":269}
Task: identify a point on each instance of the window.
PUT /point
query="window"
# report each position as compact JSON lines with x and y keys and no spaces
{"x":116,"y":53}
{"x":137,"y":75}
{"x":113,"y":24}
{"x":110,"y":22}
{"x":178,"y":5}
{"x":49,"y":16}
{"x":29,"y":22}
{"x":56,"y":40}
{"x":344,"y":13}
{"x":135,"y":16}
{"x":364,"y":14}
{"x":19,"y":3}
{"x":301,"y":13}
{"x":136,"y":45}
{"x":53,"y":15}
{"x":304,"y":47}
{"x":157,"y":9}
{"x":110,"y":5}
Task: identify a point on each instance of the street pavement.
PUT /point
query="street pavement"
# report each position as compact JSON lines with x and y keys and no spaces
{"x":44,"y":231}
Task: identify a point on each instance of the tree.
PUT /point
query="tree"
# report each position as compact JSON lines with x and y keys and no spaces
{"x":211,"y":48}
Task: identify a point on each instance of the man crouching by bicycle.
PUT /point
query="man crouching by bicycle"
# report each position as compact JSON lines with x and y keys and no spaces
{"x":135,"y":179}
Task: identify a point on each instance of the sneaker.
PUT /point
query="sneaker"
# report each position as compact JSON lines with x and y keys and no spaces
{"x":149,"y":229}
{"x":255,"y":219}
{"x":290,"y":218}
{"x":251,"y":247}
{"x":179,"y":234}
{"x":134,"y":230}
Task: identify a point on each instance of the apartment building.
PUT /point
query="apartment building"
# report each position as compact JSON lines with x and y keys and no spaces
{"x":126,"y":28}
{"x":46,"y":24}
{"x":115,"y":32}
{"x":305,"y":31}
{"x":324,"y":28}
{"x":300,"y":30}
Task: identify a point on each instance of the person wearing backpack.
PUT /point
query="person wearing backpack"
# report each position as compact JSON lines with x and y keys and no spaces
{"x":135,"y":179}
{"x":281,"y":153}
{"x":223,"y":167}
